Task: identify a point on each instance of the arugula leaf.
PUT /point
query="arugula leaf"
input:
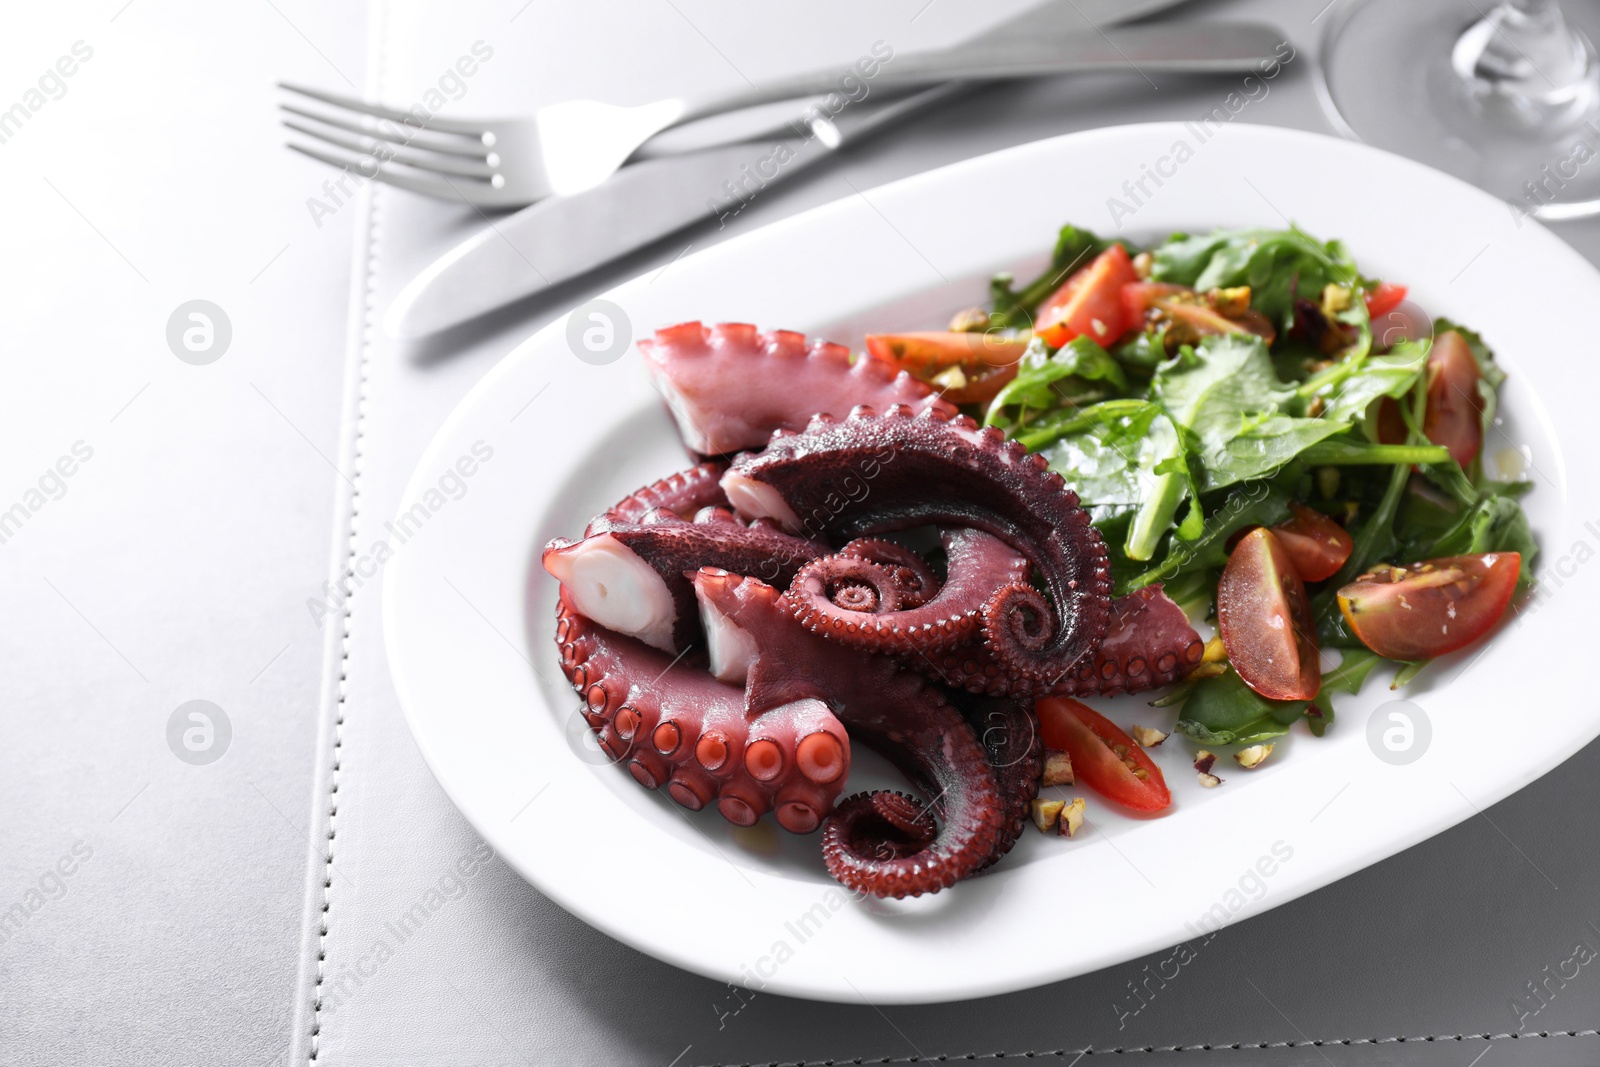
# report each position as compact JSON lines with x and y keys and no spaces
{"x":1278,"y":265}
{"x":1043,"y":379}
{"x":1229,"y":400}
{"x":1143,"y":352}
{"x":1351,"y":673}
{"x":1222,"y":710}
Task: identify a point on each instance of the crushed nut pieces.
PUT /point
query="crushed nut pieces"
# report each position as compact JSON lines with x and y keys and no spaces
{"x":1072,"y":818}
{"x":1203,"y":762}
{"x":1057,"y":768}
{"x":1046,"y":813}
{"x":1148,"y":737}
{"x":1251,"y":757}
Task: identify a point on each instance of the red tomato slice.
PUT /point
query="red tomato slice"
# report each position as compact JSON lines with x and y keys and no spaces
{"x":1426,"y":609}
{"x":1317,"y":545}
{"x":1265,"y":620}
{"x":1384,"y":298}
{"x":1090,"y":303}
{"x":926,"y":354}
{"x":1454,"y":413}
{"x":1100,"y":753}
{"x":1454,"y":416}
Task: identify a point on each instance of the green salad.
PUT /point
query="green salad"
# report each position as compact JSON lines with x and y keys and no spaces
{"x":1206,"y":387}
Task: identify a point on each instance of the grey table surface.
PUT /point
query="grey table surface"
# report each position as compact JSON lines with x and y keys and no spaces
{"x":202,"y":920}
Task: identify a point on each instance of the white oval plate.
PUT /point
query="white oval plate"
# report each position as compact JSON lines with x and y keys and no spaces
{"x":468,"y":611}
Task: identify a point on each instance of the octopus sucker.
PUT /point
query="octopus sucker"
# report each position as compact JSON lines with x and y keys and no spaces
{"x":684,"y":493}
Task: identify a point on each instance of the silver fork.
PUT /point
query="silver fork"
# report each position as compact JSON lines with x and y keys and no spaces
{"x":568,"y":147}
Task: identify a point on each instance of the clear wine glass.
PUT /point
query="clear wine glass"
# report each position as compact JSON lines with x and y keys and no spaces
{"x":1505,"y":95}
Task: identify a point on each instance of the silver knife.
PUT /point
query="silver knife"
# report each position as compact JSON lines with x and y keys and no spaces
{"x":563,"y":237}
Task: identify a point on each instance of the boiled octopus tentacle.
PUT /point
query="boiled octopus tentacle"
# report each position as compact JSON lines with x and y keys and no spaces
{"x":886,"y":844}
{"x":673,"y":724}
{"x":872,"y":474}
{"x":1148,"y":643}
{"x":629,"y":576}
{"x":685,"y":493}
{"x":824,"y":594}
{"x":1009,"y":733}
{"x":729,"y":386}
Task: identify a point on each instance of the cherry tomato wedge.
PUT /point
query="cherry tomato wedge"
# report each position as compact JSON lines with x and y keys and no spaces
{"x":1317,"y":545}
{"x":1101,"y":754}
{"x":926,"y":354}
{"x":1426,"y":609}
{"x":1454,"y":416}
{"x":1384,"y":298}
{"x":1090,"y":303}
{"x":1265,"y":620}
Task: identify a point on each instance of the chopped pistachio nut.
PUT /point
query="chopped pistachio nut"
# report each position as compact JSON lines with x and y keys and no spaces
{"x":972,"y":320}
{"x":1147,"y":736}
{"x":1230,"y":302}
{"x":1250,"y":758}
{"x":1335,"y":298}
{"x":1210,"y":781}
{"x":1072,"y":818}
{"x":1046,"y":813}
{"x":1143,"y":263}
{"x":1057,"y":768}
{"x":950,"y":378}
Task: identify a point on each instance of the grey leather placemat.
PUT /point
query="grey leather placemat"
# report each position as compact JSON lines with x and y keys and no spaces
{"x":1419,"y":959}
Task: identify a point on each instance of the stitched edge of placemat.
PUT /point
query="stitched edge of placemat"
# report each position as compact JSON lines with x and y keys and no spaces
{"x":305,"y":1036}
{"x":1207,"y":1047}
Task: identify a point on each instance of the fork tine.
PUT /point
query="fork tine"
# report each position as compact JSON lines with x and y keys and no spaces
{"x":379,"y":111}
{"x":465,"y":189}
{"x":410,"y":136}
{"x":431,"y":162}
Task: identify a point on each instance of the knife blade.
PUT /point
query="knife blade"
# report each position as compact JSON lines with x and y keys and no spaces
{"x":563,"y":237}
